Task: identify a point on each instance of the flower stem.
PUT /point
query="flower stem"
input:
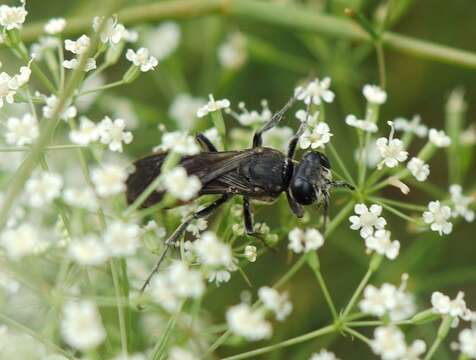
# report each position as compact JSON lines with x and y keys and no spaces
{"x":441,"y":335}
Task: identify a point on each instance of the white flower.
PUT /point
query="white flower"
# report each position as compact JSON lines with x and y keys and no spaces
{"x":374,"y":94}
{"x":467,"y":341}
{"x":392,"y":151}
{"x":389,"y":343}
{"x":87,"y":133}
{"x":419,"y":169}
{"x":219,"y":276}
{"x":303,"y":116}
{"x":443,"y":305}
{"x":112,"y":133}
{"x":461,"y":203}
{"x":88,"y":251}
{"x":380,"y":242}
{"x":51,"y":103}
{"x":364,"y":125}
{"x":439,"y":138}
{"x":43,"y":188}
{"x":44,"y":44}
{"x":83,"y":198}
{"x":180,"y":185}
{"x":163,"y":40}
{"x":316,"y":136}
{"x":79,"y":46}
{"x":415,"y":350}
{"x":21,"y":78}
{"x":249,"y":323}
{"x":122,"y":239}
{"x":213,"y":252}
{"x":109,"y":180}
{"x":20,"y":242}
{"x":368,"y":219}
{"x":81,"y":326}
{"x":300,"y":241}
{"x":315,"y":92}
{"x":232,"y":53}
{"x":179,"y":142}
{"x":177,"y":353}
{"x":22,"y":131}
{"x":55,"y":26}
{"x":250,"y":253}
{"x":438,"y":215}
{"x":142,"y":59}
{"x":379,"y":301}
{"x":6,"y":91}
{"x":197,"y":226}
{"x":248,"y":118}
{"x":413,"y":126}
{"x":112,"y":31}
{"x":324,"y":355}
{"x":276,"y":302}
{"x":184,"y":110}
{"x":12,"y":17}
{"x":213,"y":135}
{"x":73,"y":64}
{"x":163,"y":293}
{"x":212,"y":105}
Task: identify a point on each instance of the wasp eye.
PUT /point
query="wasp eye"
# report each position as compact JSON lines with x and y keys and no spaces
{"x":303,"y":191}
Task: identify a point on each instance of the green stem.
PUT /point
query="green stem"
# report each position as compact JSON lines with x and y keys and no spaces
{"x":441,"y":335}
{"x":101,"y":88}
{"x":162,"y":342}
{"x":357,"y":335}
{"x":293,"y":341}
{"x":341,"y":164}
{"x":120,"y":306}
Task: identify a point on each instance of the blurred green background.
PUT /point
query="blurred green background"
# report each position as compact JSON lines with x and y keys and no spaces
{"x":277,"y":59}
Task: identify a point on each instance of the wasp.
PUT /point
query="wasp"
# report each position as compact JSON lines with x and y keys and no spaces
{"x":259,"y":173}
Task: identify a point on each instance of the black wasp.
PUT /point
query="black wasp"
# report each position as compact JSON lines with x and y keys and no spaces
{"x":259,"y":173}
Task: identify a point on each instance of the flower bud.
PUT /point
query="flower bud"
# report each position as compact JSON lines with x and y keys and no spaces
{"x":131,"y":74}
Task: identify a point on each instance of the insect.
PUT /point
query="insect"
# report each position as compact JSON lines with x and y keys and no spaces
{"x":258,"y":173}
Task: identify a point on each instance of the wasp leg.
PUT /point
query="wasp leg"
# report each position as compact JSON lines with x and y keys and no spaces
{"x":294,"y":140}
{"x":204,"y":213}
{"x":295,"y":207}
{"x":205,"y":143}
{"x":248,"y":218}
{"x":342,"y":184}
{"x":326,"y":209}
{"x":274,"y":121}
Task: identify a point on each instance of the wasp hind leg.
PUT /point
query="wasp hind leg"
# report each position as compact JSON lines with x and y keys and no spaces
{"x":205,"y":143}
{"x":249,"y":228}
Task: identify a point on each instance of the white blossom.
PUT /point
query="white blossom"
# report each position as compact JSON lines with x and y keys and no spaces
{"x":389,"y":343}
{"x":443,"y":305}
{"x":364,"y":125}
{"x":122,"y":239}
{"x":415,"y":350}
{"x":142,"y":59}
{"x":324,"y":355}
{"x":392,"y":151}
{"x":467,"y":342}
{"x":304,"y":241}
{"x":212,"y":105}
{"x":181,"y":185}
{"x":219,"y":276}
{"x":248,"y":118}
{"x":73,"y":64}
{"x":109,"y":180}
{"x":305,"y":116}
{"x":419,"y":169}
{"x":211,"y":251}
{"x":374,"y":94}
{"x":43,"y":188}
{"x":22,"y":131}
{"x":83,"y":198}
{"x":380,"y":243}
{"x":315,"y":92}
{"x":177,"y":353}
{"x":81,"y":326}
{"x":43,"y":45}
{"x":276,"y":302}
{"x":438,"y":216}
{"x":414,"y":126}
{"x":461,"y":203}
{"x":52,"y":102}
{"x":21,"y":241}
{"x":78,"y":46}
{"x":379,"y":301}
{"x":55,"y":26}
{"x":250,"y":253}
{"x":163,"y":40}
{"x":112,"y":133}
{"x":179,"y":142}
{"x":112,"y":32}
{"x":184,"y":110}
{"x":367,"y":219}
{"x":197,"y":226}
{"x":12,"y":17}
{"x":251,"y":324}
{"x":10,"y":84}
{"x":87,"y":133}
{"x":439,"y":138}
{"x":88,"y":251}
{"x":316,"y":136}
{"x":232,"y":53}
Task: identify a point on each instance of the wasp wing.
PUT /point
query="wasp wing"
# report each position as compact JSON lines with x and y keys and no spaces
{"x":211,"y":168}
